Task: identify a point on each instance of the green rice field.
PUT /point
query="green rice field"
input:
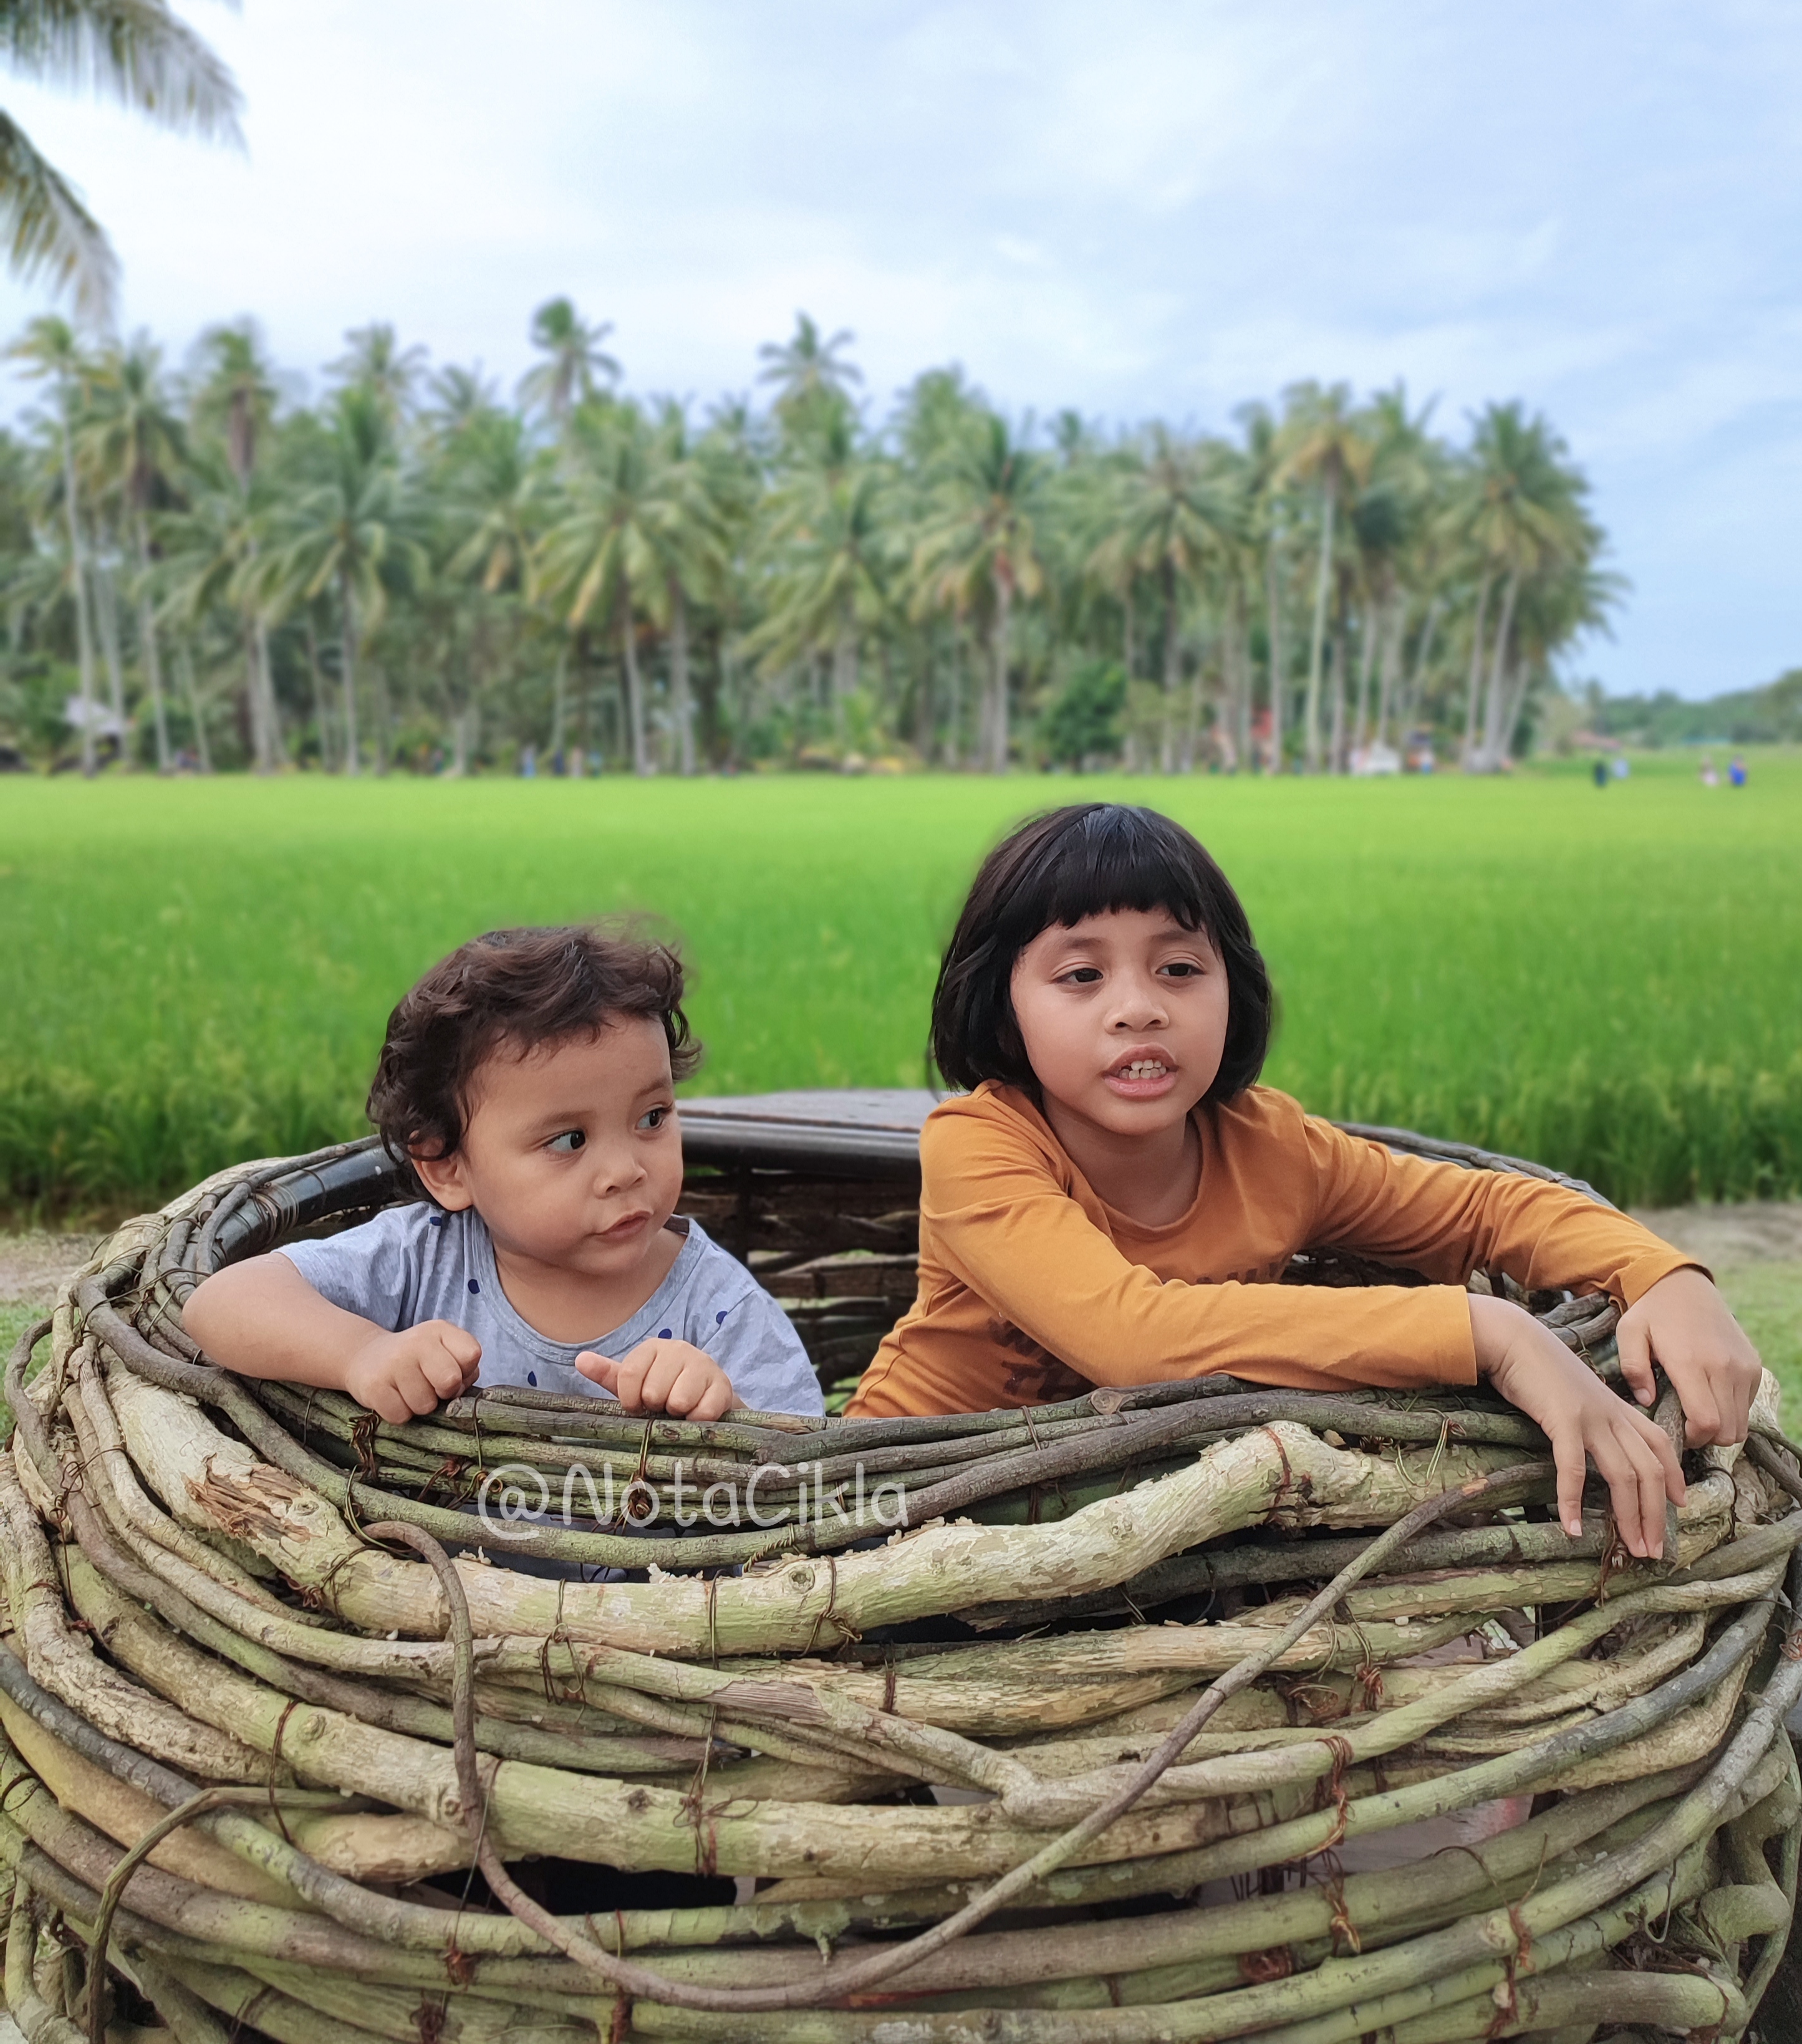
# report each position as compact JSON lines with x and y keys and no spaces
{"x":1609,"y":980}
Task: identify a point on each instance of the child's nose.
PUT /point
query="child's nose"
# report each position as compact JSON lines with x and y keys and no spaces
{"x":616,"y":1170}
{"x":1141,"y":1006}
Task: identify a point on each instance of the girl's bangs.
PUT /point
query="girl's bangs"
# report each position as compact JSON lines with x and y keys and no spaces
{"x":1118,"y":858}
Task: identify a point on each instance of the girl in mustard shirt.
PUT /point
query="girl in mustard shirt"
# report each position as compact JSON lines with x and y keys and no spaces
{"x":1114,"y":1197}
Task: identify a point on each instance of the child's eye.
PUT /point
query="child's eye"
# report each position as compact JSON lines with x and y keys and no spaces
{"x":567,"y":1144}
{"x":1083,"y":975}
{"x":655,"y":1119}
{"x":1182,"y":969}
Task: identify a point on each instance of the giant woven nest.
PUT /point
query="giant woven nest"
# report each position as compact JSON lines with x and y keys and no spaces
{"x":1195,"y":1711}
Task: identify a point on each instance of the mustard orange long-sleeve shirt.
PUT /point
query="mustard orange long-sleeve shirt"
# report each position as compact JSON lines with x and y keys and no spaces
{"x":1031,"y":1289}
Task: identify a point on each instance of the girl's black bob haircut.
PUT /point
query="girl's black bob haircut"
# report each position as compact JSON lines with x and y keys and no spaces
{"x":1088,"y":860}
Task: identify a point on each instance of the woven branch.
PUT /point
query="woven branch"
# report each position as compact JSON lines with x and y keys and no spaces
{"x":1192,"y":1653}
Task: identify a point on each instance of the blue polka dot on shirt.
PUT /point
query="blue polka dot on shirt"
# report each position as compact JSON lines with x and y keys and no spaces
{"x":531,"y":1377}
{"x":474,"y":1286}
{"x":663,"y":1334}
{"x":719,"y":1319}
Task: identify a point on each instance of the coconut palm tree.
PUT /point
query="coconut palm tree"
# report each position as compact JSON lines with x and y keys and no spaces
{"x":605,"y":555}
{"x":808,"y":368}
{"x":373,"y":361}
{"x":823,"y":536}
{"x":495,"y":489}
{"x":979,"y":551}
{"x":689,"y":523}
{"x":575,"y":361}
{"x":49,"y":350}
{"x":1326,"y":447}
{"x":1523,"y":517}
{"x":234,"y":401}
{"x":352,"y":530}
{"x":135,"y":443}
{"x":212,"y":554}
{"x":1168,"y":519}
{"x":137,"y":51}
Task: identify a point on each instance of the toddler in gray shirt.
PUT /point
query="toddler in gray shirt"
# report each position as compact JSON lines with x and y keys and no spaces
{"x":527,"y":1085}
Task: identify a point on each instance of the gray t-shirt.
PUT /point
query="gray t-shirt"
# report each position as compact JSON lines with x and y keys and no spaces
{"x":417,"y":1263}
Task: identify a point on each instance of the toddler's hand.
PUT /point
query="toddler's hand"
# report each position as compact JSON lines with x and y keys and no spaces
{"x":1682,"y":1322}
{"x":398,"y":1375}
{"x":1582,"y":1417}
{"x":660,"y":1376}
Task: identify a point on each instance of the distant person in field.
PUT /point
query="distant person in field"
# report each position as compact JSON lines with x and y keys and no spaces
{"x":1599,"y":772}
{"x":526,"y":1086}
{"x":1736,"y":771}
{"x":1710,"y":777}
{"x":1114,"y":1198}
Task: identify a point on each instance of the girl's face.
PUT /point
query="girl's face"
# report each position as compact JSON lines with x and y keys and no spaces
{"x":1124,"y":1018}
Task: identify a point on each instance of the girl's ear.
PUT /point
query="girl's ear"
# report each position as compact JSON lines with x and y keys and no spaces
{"x":444,"y":1178}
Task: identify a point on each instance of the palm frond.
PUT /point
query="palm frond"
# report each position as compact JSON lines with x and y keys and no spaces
{"x":137,"y":51}
{"x":47,"y":228}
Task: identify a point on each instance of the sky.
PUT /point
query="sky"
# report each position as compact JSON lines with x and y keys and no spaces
{"x":1143,"y":207}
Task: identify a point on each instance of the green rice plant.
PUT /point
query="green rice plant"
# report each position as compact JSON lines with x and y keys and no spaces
{"x":1606,"y":980}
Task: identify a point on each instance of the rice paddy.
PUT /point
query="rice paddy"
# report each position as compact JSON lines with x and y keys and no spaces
{"x":1605,"y":979}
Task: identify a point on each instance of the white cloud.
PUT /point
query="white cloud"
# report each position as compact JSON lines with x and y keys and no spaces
{"x":1165,"y":206}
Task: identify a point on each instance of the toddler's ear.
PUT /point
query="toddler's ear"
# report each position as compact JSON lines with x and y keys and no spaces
{"x":443,"y":1178}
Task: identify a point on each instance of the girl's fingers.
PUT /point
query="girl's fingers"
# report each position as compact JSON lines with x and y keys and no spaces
{"x":1567,"y":1451}
{"x":1701,"y":1413}
{"x":1635,"y":1348}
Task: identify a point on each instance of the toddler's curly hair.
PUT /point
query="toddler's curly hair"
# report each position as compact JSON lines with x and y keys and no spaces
{"x":512,"y":991}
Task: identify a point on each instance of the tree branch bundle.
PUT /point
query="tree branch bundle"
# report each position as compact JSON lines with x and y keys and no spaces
{"x":1205,"y":1711}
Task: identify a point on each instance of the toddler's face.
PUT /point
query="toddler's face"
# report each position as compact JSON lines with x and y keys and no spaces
{"x":1123,"y":1016}
{"x":573,"y":1154}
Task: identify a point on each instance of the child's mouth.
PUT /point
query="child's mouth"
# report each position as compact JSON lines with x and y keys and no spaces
{"x":624,"y":1229}
{"x":1142,"y":1079}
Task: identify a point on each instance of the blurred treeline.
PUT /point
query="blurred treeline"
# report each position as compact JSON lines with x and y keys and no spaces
{"x":417,"y":570}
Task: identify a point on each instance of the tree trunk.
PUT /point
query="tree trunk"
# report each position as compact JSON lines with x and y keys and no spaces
{"x":1371,"y":625}
{"x":1239,"y":626}
{"x":681,"y":703}
{"x":106,"y":616}
{"x":1336,"y":755}
{"x":954,"y":709}
{"x":1172,"y":672}
{"x":202,"y":750}
{"x":1317,"y":643}
{"x":1519,"y":688}
{"x":1496,"y":702}
{"x":266,"y":685}
{"x":384,"y":723}
{"x":322,"y":714}
{"x":998,"y":705}
{"x":1474,"y":687}
{"x":634,"y":688}
{"x":1274,"y":611}
{"x":262,"y":743}
{"x":78,"y":577}
{"x":1395,"y":623}
{"x":347,"y":600}
{"x":1417,"y":681}
{"x":558,"y":683}
{"x":147,"y":632}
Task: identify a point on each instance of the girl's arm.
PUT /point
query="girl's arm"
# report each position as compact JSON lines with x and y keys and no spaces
{"x":261,"y":1317}
{"x":1003,"y":1220}
{"x":1446,"y":1222}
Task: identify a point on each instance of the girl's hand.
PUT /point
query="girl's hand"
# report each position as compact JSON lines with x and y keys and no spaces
{"x":1585,"y":1420}
{"x":1682,"y":1323}
{"x":659,"y":1376}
